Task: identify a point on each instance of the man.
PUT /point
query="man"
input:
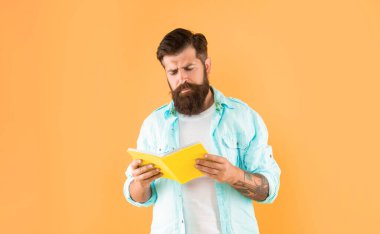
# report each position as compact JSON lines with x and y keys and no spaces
{"x":239,"y":167}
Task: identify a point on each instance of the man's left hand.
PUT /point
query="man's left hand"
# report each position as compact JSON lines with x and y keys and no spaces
{"x":219,"y":168}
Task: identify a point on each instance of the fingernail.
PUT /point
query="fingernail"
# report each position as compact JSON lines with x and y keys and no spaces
{"x":206,"y":155}
{"x":158,"y":169}
{"x":150,"y":166}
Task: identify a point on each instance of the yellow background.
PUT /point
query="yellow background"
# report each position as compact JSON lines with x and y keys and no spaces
{"x":77,"y":78}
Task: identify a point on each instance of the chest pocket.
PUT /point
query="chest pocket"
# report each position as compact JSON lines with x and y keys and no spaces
{"x":234,"y":145}
{"x":164,"y":147}
{"x":231,"y":141}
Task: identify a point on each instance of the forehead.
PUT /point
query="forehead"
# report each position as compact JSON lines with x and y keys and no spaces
{"x":188,"y":55}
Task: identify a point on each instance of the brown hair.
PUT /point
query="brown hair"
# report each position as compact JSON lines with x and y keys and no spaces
{"x":177,"y":40}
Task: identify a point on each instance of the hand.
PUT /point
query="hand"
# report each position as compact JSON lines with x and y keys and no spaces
{"x":218,"y":168}
{"x":144,"y":175}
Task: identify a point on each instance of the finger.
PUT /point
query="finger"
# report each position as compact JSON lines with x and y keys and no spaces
{"x":140,"y":170}
{"x":149,"y":174}
{"x":215,"y":158}
{"x":209,"y":175}
{"x":210,"y":164}
{"x":207,"y":169}
{"x":151,"y":179}
{"x":135,"y":163}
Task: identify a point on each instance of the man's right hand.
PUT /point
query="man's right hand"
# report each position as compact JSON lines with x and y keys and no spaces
{"x":144,"y":175}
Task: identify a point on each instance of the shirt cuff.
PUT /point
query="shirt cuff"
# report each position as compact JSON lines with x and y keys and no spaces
{"x":127,"y":195}
{"x":273,"y":187}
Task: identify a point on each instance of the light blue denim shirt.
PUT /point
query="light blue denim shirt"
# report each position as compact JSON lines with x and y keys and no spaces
{"x":240,"y":135}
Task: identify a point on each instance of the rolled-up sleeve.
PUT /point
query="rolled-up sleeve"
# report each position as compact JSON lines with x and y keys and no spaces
{"x":127,"y":193}
{"x":142,"y":143}
{"x":258,"y":158}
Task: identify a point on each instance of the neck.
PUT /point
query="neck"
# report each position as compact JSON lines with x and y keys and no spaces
{"x":209,"y":100}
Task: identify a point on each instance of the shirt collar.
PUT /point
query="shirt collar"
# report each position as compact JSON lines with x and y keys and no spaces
{"x":220,"y":102}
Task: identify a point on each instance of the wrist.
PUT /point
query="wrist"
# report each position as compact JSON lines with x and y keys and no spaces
{"x":139,"y":192}
{"x":140,"y":185}
{"x":237,"y":176}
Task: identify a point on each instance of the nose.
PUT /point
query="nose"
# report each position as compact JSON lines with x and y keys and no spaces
{"x":183,"y":76}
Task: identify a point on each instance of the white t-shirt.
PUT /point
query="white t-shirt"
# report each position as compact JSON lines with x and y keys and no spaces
{"x":199,"y":198}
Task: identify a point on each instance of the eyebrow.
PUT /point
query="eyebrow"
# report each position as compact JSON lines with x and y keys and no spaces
{"x":187,"y":65}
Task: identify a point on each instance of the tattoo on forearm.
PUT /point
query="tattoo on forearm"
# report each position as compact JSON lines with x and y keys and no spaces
{"x":254,"y":186}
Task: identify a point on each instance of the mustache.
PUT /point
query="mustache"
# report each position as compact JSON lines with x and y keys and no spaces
{"x":186,"y":85}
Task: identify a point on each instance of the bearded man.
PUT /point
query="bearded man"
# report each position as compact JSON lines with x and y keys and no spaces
{"x":238,"y":168}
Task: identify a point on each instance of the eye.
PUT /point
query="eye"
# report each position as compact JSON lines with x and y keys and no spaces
{"x":172,"y":73}
{"x":188,"y":68}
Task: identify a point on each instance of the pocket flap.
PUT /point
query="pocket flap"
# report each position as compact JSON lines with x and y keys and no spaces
{"x":233,"y":141}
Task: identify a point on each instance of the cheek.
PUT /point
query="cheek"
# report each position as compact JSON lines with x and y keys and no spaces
{"x":197,"y":77}
{"x":173,"y":83}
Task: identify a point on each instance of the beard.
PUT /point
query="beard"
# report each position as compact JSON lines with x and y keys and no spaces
{"x":192,"y":101}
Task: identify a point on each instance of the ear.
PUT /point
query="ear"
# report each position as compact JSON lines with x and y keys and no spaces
{"x":208,"y":65}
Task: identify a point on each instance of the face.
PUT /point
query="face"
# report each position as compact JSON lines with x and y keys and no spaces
{"x":188,"y":81}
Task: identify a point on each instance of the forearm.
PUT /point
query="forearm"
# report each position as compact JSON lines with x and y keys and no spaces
{"x":254,"y":186}
{"x":139,"y":193}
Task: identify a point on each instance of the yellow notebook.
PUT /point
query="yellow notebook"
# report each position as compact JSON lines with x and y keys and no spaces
{"x":178,"y":165}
